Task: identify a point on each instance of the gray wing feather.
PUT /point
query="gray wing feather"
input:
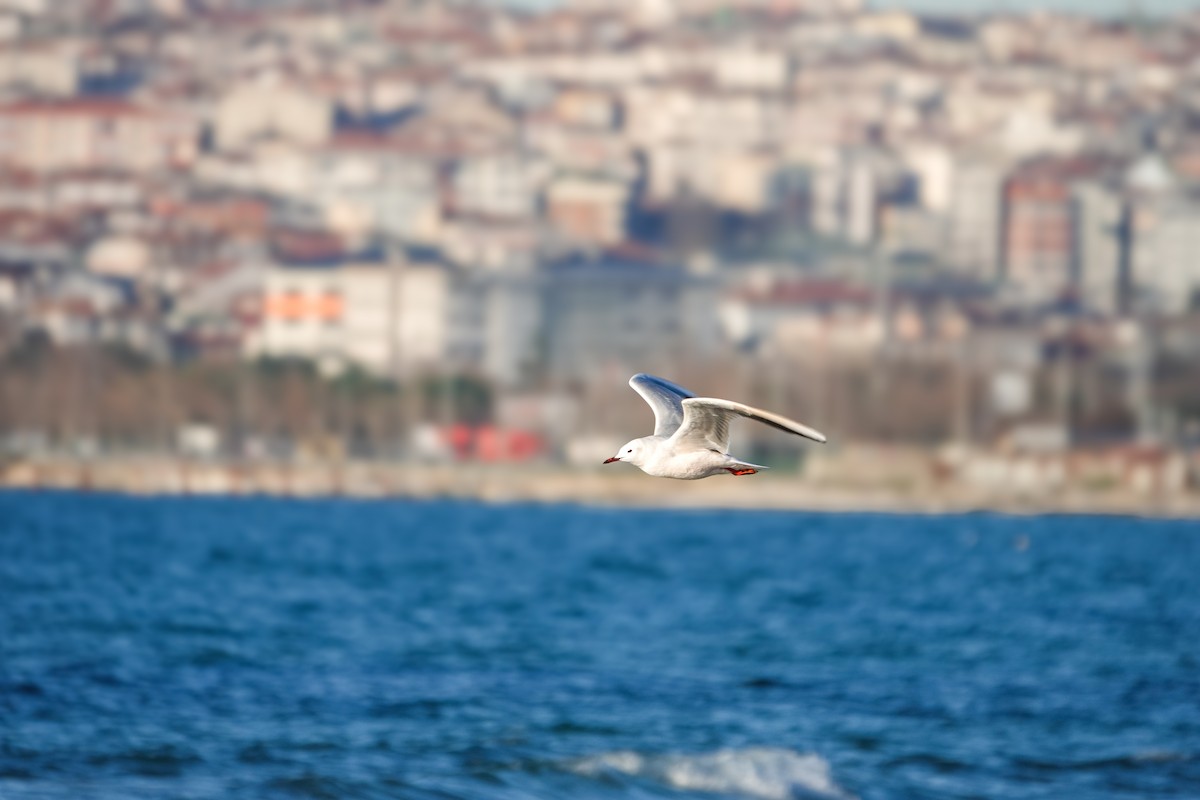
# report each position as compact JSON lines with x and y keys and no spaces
{"x":665,"y":398}
{"x":706,"y":422}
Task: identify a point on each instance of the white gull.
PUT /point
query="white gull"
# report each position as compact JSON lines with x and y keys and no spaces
{"x":691,"y":434}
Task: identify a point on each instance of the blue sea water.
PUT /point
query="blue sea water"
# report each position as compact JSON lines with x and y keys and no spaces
{"x":224,"y":648}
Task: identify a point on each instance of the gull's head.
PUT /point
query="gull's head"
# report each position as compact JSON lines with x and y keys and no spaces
{"x":633,"y":452}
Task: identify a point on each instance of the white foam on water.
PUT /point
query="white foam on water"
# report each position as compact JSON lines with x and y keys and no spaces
{"x":770,"y":773}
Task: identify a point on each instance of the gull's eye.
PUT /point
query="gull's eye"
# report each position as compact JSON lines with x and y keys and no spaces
{"x":630,"y":450}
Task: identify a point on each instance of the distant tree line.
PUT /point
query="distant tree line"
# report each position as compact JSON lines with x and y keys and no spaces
{"x":118,"y":399}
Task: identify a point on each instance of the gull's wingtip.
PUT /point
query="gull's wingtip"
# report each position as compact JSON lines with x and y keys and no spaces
{"x":810,"y":433}
{"x":646,"y":379}
{"x":815,"y":435}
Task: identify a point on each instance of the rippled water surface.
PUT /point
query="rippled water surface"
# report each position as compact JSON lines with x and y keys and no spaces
{"x":183,"y":648}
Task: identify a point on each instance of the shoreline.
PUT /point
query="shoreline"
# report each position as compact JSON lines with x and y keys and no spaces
{"x":779,"y":491}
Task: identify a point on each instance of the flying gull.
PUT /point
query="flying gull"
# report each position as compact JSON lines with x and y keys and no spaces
{"x":691,"y":434}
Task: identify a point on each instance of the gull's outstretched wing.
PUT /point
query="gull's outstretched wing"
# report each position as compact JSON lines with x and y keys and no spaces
{"x":706,"y":423}
{"x":665,"y":398}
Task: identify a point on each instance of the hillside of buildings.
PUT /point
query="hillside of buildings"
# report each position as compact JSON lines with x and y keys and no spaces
{"x":380,"y":232}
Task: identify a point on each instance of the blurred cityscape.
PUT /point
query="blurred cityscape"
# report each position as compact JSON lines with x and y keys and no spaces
{"x":382,"y":231}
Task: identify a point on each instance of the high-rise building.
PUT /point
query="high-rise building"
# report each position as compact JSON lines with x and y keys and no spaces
{"x":974,"y":215}
{"x":1097,"y":209}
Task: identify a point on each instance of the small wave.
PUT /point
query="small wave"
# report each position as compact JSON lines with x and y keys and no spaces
{"x":770,"y":773}
{"x":165,"y":761}
{"x":321,"y":787}
{"x":1135,"y":760}
{"x":215,"y":656}
{"x":933,"y":761}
